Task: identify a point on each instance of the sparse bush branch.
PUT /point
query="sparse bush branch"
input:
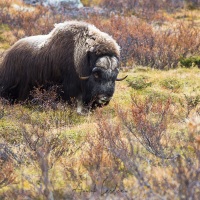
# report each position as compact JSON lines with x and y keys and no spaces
{"x":147,"y":122}
{"x":7,"y":175}
{"x":7,"y":163}
{"x":187,"y":174}
{"x":45,"y":146}
{"x":7,"y":153}
{"x":123,"y":147}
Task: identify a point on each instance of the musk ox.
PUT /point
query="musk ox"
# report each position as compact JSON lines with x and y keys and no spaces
{"x":77,"y":56}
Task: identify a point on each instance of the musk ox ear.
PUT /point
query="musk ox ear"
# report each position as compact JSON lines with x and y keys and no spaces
{"x":121,"y":79}
{"x":91,"y":59}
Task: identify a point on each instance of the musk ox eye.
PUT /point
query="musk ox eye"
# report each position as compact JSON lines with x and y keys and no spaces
{"x":96,"y":75}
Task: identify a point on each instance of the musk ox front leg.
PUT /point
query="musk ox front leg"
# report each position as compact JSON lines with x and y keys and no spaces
{"x":79,"y":106}
{"x":81,"y":109}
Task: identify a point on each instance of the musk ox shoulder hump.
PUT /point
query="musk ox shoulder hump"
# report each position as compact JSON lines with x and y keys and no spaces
{"x":104,"y":42}
{"x":88,"y":35}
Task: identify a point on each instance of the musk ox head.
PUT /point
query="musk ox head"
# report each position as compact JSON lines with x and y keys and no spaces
{"x":100,"y":84}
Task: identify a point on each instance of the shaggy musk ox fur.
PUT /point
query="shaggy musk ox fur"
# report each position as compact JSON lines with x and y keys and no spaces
{"x":77,"y":56}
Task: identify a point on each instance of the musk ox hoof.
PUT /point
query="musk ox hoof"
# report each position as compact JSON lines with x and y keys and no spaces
{"x":83,"y":111}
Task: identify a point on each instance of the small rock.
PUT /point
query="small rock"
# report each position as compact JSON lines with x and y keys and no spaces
{"x":56,"y":3}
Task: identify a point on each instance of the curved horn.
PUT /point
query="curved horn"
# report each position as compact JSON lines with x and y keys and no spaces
{"x":84,"y":77}
{"x":121,"y":79}
{"x":94,"y":69}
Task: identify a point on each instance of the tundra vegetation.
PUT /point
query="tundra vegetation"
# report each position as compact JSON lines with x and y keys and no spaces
{"x":144,"y":145}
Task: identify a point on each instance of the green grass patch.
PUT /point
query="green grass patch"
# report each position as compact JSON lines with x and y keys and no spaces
{"x":139,"y":82}
{"x":171,"y":84}
{"x":4,"y":27}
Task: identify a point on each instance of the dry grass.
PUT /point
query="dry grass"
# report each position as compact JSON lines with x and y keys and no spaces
{"x":104,"y":153}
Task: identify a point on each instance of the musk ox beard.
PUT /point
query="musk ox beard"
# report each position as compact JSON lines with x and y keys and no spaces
{"x":77,"y":56}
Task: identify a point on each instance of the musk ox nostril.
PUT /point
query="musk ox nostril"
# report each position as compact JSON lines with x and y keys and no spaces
{"x":102,"y":99}
{"x":106,"y":98}
{"x":103,"y":96}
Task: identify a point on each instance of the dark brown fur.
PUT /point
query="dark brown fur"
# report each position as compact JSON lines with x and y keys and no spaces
{"x":59,"y":58}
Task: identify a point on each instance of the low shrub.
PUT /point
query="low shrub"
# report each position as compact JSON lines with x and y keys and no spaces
{"x":156,"y":95}
{"x":191,"y":101}
{"x":190,"y":62}
{"x":141,"y":43}
{"x":139,"y":82}
{"x":171,"y":84}
{"x":144,"y":45}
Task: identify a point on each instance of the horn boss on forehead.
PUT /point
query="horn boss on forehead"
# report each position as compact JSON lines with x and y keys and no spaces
{"x":61,"y":58}
{"x":107,"y":62}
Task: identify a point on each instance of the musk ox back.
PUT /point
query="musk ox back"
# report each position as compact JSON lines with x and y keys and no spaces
{"x":77,"y":56}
